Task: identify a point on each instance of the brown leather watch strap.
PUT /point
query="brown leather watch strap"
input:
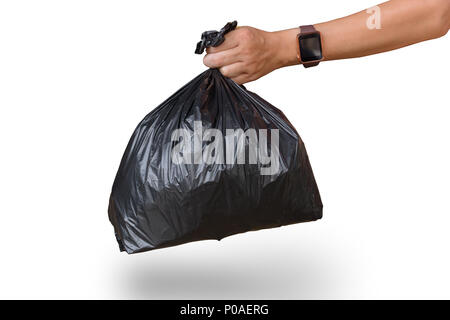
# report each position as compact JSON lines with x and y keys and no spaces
{"x":310,"y":64}
{"x":306,"y":30}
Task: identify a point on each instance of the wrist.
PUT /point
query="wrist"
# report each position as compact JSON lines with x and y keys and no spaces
{"x":285,"y":47}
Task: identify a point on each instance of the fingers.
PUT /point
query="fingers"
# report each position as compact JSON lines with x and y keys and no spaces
{"x":222,"y":58}
{"x":237,"y":73}
{"x":242,"y":78}
{"x":232,"y":70}
{"x":231,"y":41}
{"x":242,"y":55}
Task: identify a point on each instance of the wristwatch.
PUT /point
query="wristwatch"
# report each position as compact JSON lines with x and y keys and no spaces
{"x":309,"y":46}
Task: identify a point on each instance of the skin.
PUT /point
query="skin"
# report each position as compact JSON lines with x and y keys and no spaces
{"x":249,"y":53}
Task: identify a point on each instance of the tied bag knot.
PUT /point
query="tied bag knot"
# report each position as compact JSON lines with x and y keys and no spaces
{"x":214,"y":38}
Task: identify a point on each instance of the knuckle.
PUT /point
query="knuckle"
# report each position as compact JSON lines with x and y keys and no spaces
{"x":224,"y":71}
{"x":253,"y":76}
{"x":246,"y":52}
{"x":206,"y":60}
{"x":213,"y":49}
{"x":247,"y":67}
{"x":242,"y":80}
{"x":244,"y":70}
{"x":245,"y":33}
{"x":214,"y":60}
{"x":211,"y":60}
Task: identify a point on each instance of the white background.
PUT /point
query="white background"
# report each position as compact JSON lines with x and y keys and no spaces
{"x":77,"y":76}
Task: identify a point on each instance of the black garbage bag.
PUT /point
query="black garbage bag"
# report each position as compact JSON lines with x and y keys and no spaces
{"x":211,"y":161}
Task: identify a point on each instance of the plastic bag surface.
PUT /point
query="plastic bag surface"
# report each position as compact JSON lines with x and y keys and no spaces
{"x":211,"y":161}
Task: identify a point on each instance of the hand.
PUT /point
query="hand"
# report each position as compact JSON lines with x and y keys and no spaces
{"x":248,"y":53}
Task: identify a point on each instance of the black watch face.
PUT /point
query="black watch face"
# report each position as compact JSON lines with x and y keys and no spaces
{"x":310,"y":47}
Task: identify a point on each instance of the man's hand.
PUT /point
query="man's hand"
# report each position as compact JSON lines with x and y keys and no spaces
{"x":248,"y":54}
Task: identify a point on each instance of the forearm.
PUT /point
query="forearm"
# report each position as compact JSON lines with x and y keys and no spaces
{"x":248,"y":53}
{"x":403,"y":22}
